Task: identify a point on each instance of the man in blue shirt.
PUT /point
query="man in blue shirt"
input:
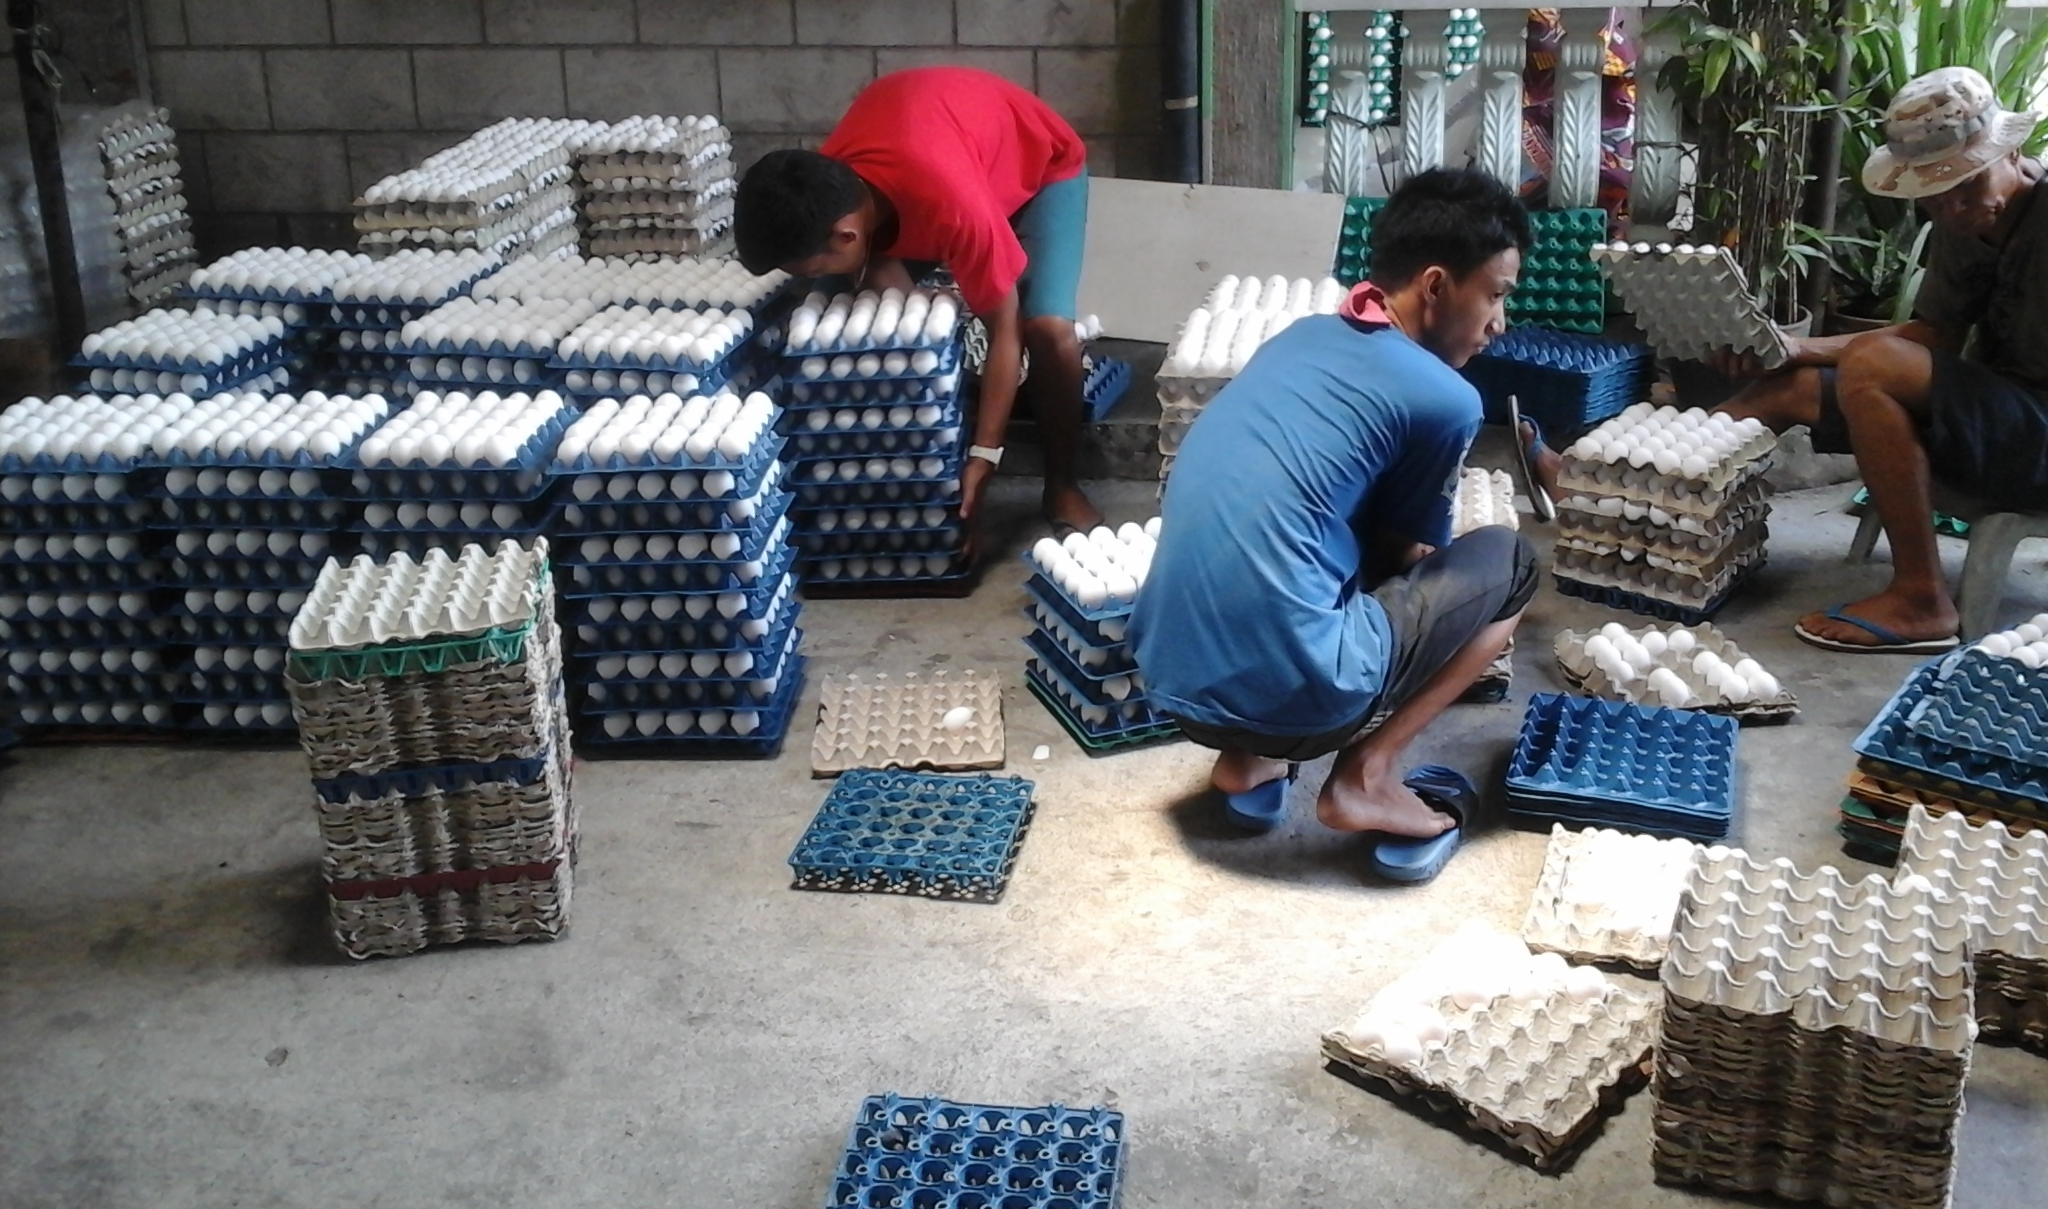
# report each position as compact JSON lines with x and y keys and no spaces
{"x":1305,"y":578}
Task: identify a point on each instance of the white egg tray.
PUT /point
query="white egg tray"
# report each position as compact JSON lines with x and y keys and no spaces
{"x":136,"y":133}
{"x":275,"y":274}
{"x":1608,"y":896}
{"x":636,"y":337}
{"x":1613,"y":521}
{"x":1618,"y":459}
{"x":501,"y":160}
{"x":1683,"y":588}
{"x":1762,"y":697}
{"x":660,"y":244}
{"x":1485,"y":497}
{"x":67,"y":435}
{"x":873,"y":322}
{"x":458,"y":431}
{"x":2003,"y":876}
{"x":465,"y":223}
{"x":365,"y":603}
{"x":1101,"y":572}
{"x":940,"y":722}
{"x":1691,"y":301}
{"x":1523,"y":1048}
{"x":1219,"y":336}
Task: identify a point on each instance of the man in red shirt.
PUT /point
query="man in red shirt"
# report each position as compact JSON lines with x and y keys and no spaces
{"x":962,"y":168}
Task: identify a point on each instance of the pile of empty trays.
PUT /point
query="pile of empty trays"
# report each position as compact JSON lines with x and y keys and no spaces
{"x":922,"y":834}
{"x":1608,"y":896}
{"x":1967,"y":732}
{"x":2004,"y":878}
{"x":876,"y":439}
{"x":656,"y":186}
{"x":1663,"y":512}
{"x":1817,"y":1034}
{"x":1588,"y":762}
{"x":1487,"y":497}
{"x":1528,"y":1049}
{"x":139,"y":152}
{"x":1079,"y":599}
{"x":429,"y":703}
{"x":1565,"y":382}
{"x":677,"y":574}
{"x":934,"y":1152}
{"x":506,"y":189}
{"x":939,"y":722}
{"x":1691,"y":301}
{"x":1684,"y":667}
{"x":1220,"y":336}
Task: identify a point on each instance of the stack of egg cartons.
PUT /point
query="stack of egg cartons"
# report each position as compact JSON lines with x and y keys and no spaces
{"x":429,"y":704}
{"x":2003,"y":875}
{"x":1817,"y":1034}
{"x":1079,"y":599}
{"x":252,"y":491}
{"x":677,"y":576}
{"x":505,"y":189}
{"x":875,"y":432}
{"x":501,"y":343}
{"x":1664,"y":512}
{"x":139,"y":152}
{"x":458,"y":469}
{"x":366,"y":310}
{"x":656,"y":186}
{"x":290,"y":285}
{"x":78,"y":575}
{"x":1217,"y":339}
{"x":1690,"y":301}
{"x":189,"y":352}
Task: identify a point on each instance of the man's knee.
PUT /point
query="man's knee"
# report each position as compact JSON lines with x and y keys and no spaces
{"x":1051,"y":335}
{"x":1506,"y":554}
{"x":1880,"y":366}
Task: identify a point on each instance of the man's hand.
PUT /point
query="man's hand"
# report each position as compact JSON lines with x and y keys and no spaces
{"x":1799,"y":351}
{"x":974,"y":477}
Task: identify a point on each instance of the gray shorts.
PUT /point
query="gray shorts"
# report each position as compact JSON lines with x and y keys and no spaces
{"x":1435,"y":608}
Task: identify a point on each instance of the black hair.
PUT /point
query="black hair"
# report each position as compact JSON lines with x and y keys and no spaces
{"x":786,"y":205}
{"x":1459,"y":218}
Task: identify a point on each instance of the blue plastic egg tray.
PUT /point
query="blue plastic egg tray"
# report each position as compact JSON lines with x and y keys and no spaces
{"x":50,"y":688}
{"x":1091,"y":684}
{"x":24,"y":489}
{"x":736,"y":545}
{"x":1566,"y":382}
{"x":273,"y":371}
{"x":938,"y":1154}
{"x":818,"y":416}
{"x":934,"y":836}
{"x":380,"y":544}
{"x":274,"y":483}
{"x":75,"y":576}
{"x":645,"y":632}
{"x":244,"y":572}
{"x":409,"y":385}
{"x":267,"y":351}
{"x":514,"y":485}
{"x":1104,"y":630}
{"x":206,"y":602}
{"x":809,"y":446}
{"x":871,"y":345}
{"x":677,"y":484}
{"x":1108,"y":380}
{"x":1988,"y":705}
{"x":570,"y":519}
{"x":679,"y":666}
{"x":827,"y":576}
{"x":1130,"y":722}
{"x":314,"y":515}
{"x":764,"y":450}
{"x":33,"y":550}
{"x":1650,"y":606}
{"x":44,"y":633}
{"x":196,"y":687}
{"x":803,"y":398}
{"x":480,"y":518}
{"x":752,"y":602}
{"x":1047,"y":588}
{"x":1893,"y":750}
{"x":529,"y":463}
{"x":282,"y":295}
{"x":74,"y":463}
{"x":814,"y":547}
{"x":893,"y":493}
{"x":221,"y":630}
{"x":435,"y":778}
{"x":1656,"y":770}
{"x":1091,"y":657}
{"x":876,"y":469}
{"x":904,"y":518}
{"x":764,"y":742}
{"x":75,"y":518}
{"x":242,"y":717}
{"x":949,"y":360}
{"x":680,"y":576}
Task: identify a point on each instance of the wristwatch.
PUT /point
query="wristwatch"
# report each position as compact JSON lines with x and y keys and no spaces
{"x":993,"y":455}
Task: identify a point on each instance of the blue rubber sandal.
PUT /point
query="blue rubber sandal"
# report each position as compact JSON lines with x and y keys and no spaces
{"x":1540,"y":502}
{"x":1888,"y":643}
{"x":1400,"y":859}
{"x":1262,"y":807}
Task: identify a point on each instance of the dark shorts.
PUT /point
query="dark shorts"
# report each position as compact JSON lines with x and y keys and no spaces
{"x":1434,"y":608}
{"x":1985,"y":435}
{"x":1052,"y":228}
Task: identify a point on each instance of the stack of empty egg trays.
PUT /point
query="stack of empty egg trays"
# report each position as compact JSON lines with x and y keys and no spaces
{"x":360,"y":324}
{"x":429,"y":703}
{"x":1078,"y":600}
{"x":458,"y":469}
{"x":1220,"y":336}
{"x":875,"y":440}
{"x":1587,"y":762}
{"x":678,"y":577}
{"x":1817,"y":1034}
{"x":291,"y":285}
{"x":252,"y":490}
{"x":656,"y":186}
{"x":1664,"y":512}
{"x":1487,"y":497}
{"x":139,"y":153}
{"x":931,"y":1153}
{"x":1685,"y":667}
{"x":1565,"y":382}
{"x":925,"y":835}
{"x":2004,"y":878}
{"x":1528,"y":1049}
{"x":505,"y":189}
{"x":199,"y":352}
{"x":1690,"y":301}
{"x":79,"y":574}
{"x":1561,"y":286}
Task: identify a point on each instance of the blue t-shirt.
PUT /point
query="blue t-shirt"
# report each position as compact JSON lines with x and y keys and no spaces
{"x":1254,"y":615}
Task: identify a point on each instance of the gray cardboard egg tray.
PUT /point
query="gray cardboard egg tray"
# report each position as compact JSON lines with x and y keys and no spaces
{"x":1708,"y":497}
{"x":1691,"y":305}
{"x":1485,"y":497}
{"x":531,"y":906}
{"x":1608,"y":896}
{"x":1581,"y":673}
{"x":546,"y":167}
{"x":883,"y":721}
{"x":1733,"y":551}
{"x":2004,"y":878}
{"x":1582,"y":524}
{"x":1817,"y":1035}
{"x":1537,"y":1075}
{"x":1685,"y":589}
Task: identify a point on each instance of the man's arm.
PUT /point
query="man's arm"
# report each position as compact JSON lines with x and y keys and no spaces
{"x":999,"y":381}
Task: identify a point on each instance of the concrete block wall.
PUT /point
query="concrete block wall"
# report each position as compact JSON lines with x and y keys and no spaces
{"x":287,"y":109}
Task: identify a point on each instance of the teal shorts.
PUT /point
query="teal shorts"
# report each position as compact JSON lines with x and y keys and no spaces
{"x":1053,"y":227}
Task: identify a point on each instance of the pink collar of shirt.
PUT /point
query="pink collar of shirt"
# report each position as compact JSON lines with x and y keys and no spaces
{"x":1367,"y":305}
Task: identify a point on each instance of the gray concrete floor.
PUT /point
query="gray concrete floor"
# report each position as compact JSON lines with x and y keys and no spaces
{"x":175,"y":1031}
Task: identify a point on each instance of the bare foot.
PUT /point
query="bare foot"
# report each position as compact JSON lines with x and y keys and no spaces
{"x":1241,"y":771}
{"x":1547,"y":462}
{"x":1066,"y":504}
{"x":1911,"y":618}
{"x":1355,"y":800}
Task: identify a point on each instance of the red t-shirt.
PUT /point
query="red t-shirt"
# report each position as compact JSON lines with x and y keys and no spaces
{"x":957,"y":152}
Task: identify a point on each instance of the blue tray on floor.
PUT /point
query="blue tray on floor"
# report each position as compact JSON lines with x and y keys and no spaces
{"x":1897,"y":752}
{"x":923,"y":834}
{"x":1108,"y":381}
{"x":1655,"y":765}
{"x":939,"y":1154}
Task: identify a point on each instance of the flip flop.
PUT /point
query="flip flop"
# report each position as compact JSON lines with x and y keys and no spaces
{"x":1888,"y":643}
{"x":1402,"y":859}
{"x":1540,"y":502}
{"x":1262,"y":807}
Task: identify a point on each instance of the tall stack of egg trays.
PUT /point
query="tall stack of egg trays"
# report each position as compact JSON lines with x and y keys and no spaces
{"x":358,"y":326}
{"x":505,"y":189}
{"x":429,"y":704}
{"x":1817,"y":1034}
{"x":1664,"y":512}
{"x":78,"y":571}
{"x":139,"y":153}
{"x":196,"y":352}
{"x":677,"y":575}
{"x":876,"y":437}
{"x":292,"y":285}
{"x":1220,"y":336}
{"x":2003,"y":876}
{"x":656,"y":186}
{"x":1079,"y":599}
{"x":252,"y":490}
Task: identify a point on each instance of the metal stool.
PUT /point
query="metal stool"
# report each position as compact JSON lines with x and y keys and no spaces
{"x":1994,"y":538}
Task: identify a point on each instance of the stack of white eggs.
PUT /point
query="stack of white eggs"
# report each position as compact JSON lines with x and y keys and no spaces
{"x":462,"y":431}
{"x":668,"y":431}
{"x":678,"y":282}
{"x":1096,"y":578}
{"x":416,"y":277}
{"x":656,"y":186}
{"x":2026,"y":643}
{"x":637,"y":337}
{"x":1101,"y":569}
{"x":139,"y":158}
{"x":314,"y":429}
{"x":105,"y":433}
{"x":504,"y":189}
{"x":188,"y":351}
{"x":357,"y":334}
{"x":1675,"y":668}
{"x":296,"y":274}
{"x":1651,"y":466}
{"x":923,"y":319}
{"x":502,"y":328}
{"x":458,"y":469}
